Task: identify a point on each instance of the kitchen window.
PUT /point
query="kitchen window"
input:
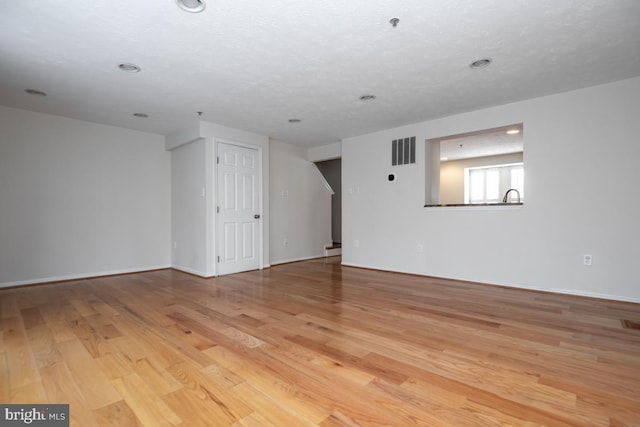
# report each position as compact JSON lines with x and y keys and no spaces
{"x":489,"y":184}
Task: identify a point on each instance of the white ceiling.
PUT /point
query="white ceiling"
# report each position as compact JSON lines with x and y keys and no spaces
{"x":489,"y":142}
{"x":254,"y":64}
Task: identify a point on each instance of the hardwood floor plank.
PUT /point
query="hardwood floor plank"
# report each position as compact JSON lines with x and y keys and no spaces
{"x":254,"y":420}
{"x":83,"y":307}
{"x":441,"y":412}
{"x":157,"y":343}
{"x":60,"y":387}
{"x":31,"y":317}
{"x":189,"y":406}
{"x":290,"y":395}
{"x":275,"y":413}
{"x":225,"y":378}
{"x":32,"y":393}
{"x":93,"y":383}
{"x":115,"y":364}
{"x":316,"y":343}
{"x":209,"y":391}
{"x":117,"y":414}
{"x":43,"y":346}
{"x":144,"y":402}
{"x":365,"y":406}
{"x":4,"y":370}
{"x":194,"y":339}
{"x":9,"y":306}
{"x":346,"y":358}
{"x":156,"y":377}
{"x":338,"y":368}
{"x":20,"y":364}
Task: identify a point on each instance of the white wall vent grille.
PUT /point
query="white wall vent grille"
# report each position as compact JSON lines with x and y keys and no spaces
{"x":403,"y":151}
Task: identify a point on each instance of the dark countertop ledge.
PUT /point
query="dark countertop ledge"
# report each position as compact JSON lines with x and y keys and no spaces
{"x":474,"y":204}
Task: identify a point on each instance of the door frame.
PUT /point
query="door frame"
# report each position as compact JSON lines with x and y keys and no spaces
{"x":217,"y":239}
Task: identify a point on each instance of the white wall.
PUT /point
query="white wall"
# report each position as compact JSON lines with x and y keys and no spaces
{"x":188,"y":208}
{"x":452,"y":174}
{"x":300,"y":205}
{"x":582,"y":143}
{"x":325,"y":152}
{"x":79,"y":199}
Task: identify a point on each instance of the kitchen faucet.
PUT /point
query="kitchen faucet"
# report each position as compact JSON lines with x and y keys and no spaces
{"x":506,"y":195}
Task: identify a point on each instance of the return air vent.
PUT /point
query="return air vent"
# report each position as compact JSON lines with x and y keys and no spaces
{"x":403,"y":151}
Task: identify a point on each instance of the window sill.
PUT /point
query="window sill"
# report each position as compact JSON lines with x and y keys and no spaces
{"x":475,"y":205}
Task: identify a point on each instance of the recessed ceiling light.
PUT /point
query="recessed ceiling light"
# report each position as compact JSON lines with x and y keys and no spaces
{"x":193,"y":6}
{"x":129,"y":68}
{"x":442,"y":159}
{"x":367,"y":98}
{"x":141,"y":115}
{"x":481,"y":63}
{"x":513,"y":131}
{"x":294,"y":120}
{"x":35,"y":92}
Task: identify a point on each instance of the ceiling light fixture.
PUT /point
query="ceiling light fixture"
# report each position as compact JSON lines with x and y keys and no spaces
{"x":35,"y":92}
{"x":513,"y":131}
{"x":294,"y":120}
{"x":367,"y":98}
{"x":141,"y":115}
{"x":129,"y":68}
{"x":193,"y":6}
{"x":442,"y":159}
{"x":481,"y":63}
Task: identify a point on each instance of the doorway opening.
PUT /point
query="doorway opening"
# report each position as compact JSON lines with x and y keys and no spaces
{"x":332,"y":172}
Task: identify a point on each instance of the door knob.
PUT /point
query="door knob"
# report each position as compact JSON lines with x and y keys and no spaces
{"x":257,"y":216}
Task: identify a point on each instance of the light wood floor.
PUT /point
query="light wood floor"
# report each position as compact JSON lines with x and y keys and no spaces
{"x":314,"y":343}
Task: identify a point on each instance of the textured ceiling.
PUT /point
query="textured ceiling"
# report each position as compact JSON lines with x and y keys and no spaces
{"x":254,"y":64}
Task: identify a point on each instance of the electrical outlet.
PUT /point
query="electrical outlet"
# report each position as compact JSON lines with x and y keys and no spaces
{"x":587,"y":259}
{"x":285,"y":242}
{"x":175,"y":244}
{"x":356,"y":243}
{"x":420,"y":248}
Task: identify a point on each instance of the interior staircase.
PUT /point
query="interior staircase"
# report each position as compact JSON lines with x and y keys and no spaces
{"x":333,"y":249}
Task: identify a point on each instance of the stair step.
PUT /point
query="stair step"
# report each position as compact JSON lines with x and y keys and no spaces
{"x":333,"y":250}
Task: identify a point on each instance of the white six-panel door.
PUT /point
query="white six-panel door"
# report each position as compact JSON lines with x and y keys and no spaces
{"x":238,"y":209}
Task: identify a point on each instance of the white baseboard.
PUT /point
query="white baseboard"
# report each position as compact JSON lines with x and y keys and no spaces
{"x":510,"y":285}
{"x":286,"y":261}
{"x":192,"y":271}
{"x":581,"y":294}
{"x":81,"y":276}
